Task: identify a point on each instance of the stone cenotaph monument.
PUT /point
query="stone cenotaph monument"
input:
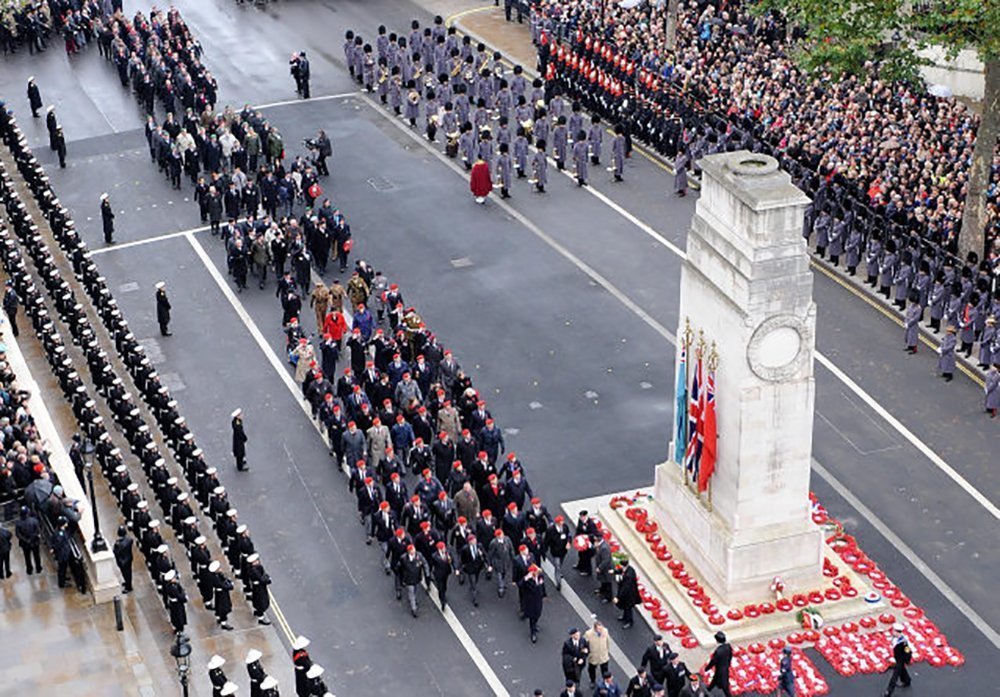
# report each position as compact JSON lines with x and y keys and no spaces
{"x":746,"y":286}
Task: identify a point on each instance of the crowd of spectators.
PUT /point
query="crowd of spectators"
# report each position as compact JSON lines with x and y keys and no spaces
{"x":892,"y":149}
{"x":35,"y":25}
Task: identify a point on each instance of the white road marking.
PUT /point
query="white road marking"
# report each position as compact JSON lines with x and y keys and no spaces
{"x":323,"y":98}
{"x":576,"y":602}
{"x":275,"y":362}
{"x":496,"y":685}
{"x":910,"y":436}
{"x":922,"y":566}
{"x":147,"y":240}
{"x":939,"y":462}
{"x":627,"y":215}
{"x":920,"y":445}
{"x":919,"y":564}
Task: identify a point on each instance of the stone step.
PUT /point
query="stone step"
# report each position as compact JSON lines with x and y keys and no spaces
{"x":661,"y":583}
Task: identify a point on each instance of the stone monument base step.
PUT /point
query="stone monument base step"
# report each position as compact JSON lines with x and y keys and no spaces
{"x":659,"y":581}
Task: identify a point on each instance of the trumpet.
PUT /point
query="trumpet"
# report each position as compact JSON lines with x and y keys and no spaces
{"x":413,"y":97}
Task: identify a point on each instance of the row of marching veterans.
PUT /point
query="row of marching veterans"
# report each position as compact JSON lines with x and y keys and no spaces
{"x":150,"y":468}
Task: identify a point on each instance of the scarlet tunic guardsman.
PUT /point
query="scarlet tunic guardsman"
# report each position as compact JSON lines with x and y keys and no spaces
{"x":480,"y":181}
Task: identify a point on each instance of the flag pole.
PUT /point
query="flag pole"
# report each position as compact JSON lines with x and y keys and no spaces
{"x":688,"y":336}
{"x":713,"y":362}
{"x":699,"y":352}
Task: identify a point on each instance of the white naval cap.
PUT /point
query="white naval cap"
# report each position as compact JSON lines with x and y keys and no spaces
{"x":228,"y":689}
{"x":216,"y":661}
{"x":160,"y":285}
{"x":268,"y":683}
{"x":236,"y":413}
{"x":300,"y":643}
{"x":214,"y":566}
{"x":314,"y":671}
{"x":253,"y":655}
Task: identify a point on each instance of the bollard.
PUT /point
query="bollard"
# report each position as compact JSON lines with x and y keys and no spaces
{"x":119,"y":620}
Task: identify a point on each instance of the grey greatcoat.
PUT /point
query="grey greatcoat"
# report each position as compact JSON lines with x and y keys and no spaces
{"x":853,"y":249}
{"x":992,"y":389}
{"x":986,"y":342}
{"x":946,"y":362}
{"x":911,"y":324}
{"x":680,"y":173}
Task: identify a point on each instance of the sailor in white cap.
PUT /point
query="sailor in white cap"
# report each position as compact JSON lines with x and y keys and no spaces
{"x":108,"y":219}
{"x":315,"y":680}
{"x":162,"y":308}
{"x":902,"y":656}
{"x":201,"y":559}
{"x":302,"y":663}
{"x":220,"y":586}
{"x":51,"y":124}
{"x":229,"y":689}
{"x":269,"y":687}
{"x":216,"y":674}
{"x":34,"y":97}
{"x":176,"y":601}
{"x":255,"y":670}
{"x":258,"y":580}
{"x":239,"y":441}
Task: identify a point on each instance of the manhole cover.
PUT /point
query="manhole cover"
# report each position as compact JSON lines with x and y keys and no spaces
{"x":381,"y":184}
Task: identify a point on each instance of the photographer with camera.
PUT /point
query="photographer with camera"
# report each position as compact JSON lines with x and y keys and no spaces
{"x":320,"y":148}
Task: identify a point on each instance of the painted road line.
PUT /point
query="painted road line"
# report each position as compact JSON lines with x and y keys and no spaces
{"x":496,"y":685}
{"x":660,"y":329}
{"x":279,"y":368}
{"x":875,"y":304}
{"x":452,"y":18}
{"x":972,"y":491}
{"x":583,"y":266}
{"x":576,"y":602}
{"x":936,"y":459}
{"x":919,"y":564}
{"x":322,"y":98}
{"x":147,"y":240}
